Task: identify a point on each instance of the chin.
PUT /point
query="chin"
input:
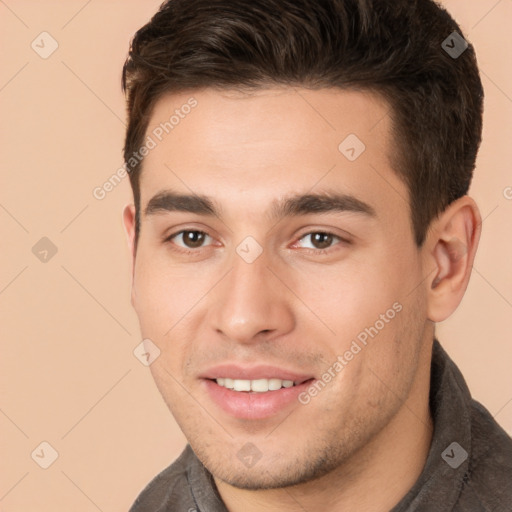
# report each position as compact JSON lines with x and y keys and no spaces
{"x":264,"y":476}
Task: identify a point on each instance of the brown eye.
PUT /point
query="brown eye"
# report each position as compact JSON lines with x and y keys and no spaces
{"x":190,"y":239}
{"x":193,"y":239}
{"x":320,"y":240}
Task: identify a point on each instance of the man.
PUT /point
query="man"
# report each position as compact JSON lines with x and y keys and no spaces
{"x":300,"y":224}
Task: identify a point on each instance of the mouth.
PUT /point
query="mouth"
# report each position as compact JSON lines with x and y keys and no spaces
{"x":248,"y":403}
{"x":257,"y":385}
{"x":254,"y":393}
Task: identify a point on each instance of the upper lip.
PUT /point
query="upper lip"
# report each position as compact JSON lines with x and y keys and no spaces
{"x":234,"y":371}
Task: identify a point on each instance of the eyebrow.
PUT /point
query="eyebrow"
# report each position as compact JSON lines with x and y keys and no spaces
{"x":289,"y":206}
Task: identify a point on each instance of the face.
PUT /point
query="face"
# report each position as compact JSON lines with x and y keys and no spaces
{"x":289,"y":273}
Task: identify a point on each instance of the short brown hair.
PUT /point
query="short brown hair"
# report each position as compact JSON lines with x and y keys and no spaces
{"x":393,"y":48}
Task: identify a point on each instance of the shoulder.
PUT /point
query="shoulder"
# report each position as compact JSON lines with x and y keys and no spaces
{"x":168,"y":491}
{"x":489,"y":479}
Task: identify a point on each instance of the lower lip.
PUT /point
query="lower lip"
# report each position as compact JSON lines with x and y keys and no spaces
{"x":252,"y":405}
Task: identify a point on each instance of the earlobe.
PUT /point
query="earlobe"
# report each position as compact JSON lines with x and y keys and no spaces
{"x":452,"y":247}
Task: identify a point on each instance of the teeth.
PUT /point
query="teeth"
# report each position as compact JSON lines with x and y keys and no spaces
{"x":242,"y":385}
{"x":257,"y":385}
{"x":274,"y":384}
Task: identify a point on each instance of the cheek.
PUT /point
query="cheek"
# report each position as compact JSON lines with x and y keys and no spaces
{"x":351,"y":297}
{"x":163,"y":294}
{"x":168,"y":304}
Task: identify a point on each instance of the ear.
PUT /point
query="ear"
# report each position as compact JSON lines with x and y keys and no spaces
{"x":451,"y":246}
{"x":129,"y":226}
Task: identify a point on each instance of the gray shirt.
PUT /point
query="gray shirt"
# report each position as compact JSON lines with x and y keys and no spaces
{"x":468,"y":468}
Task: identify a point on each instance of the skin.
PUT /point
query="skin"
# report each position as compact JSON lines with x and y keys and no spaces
{"x":363,"y":440}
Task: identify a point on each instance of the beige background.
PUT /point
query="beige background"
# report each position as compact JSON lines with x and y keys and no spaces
{"x":68,"y":373}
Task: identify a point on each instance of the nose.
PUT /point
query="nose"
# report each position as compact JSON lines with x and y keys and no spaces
{"x":251,"y":304}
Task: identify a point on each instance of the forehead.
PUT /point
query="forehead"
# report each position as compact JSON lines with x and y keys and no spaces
{"x":248,"y":149}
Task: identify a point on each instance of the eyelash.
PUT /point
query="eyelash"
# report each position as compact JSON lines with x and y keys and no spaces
{"x":309,"y":251}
